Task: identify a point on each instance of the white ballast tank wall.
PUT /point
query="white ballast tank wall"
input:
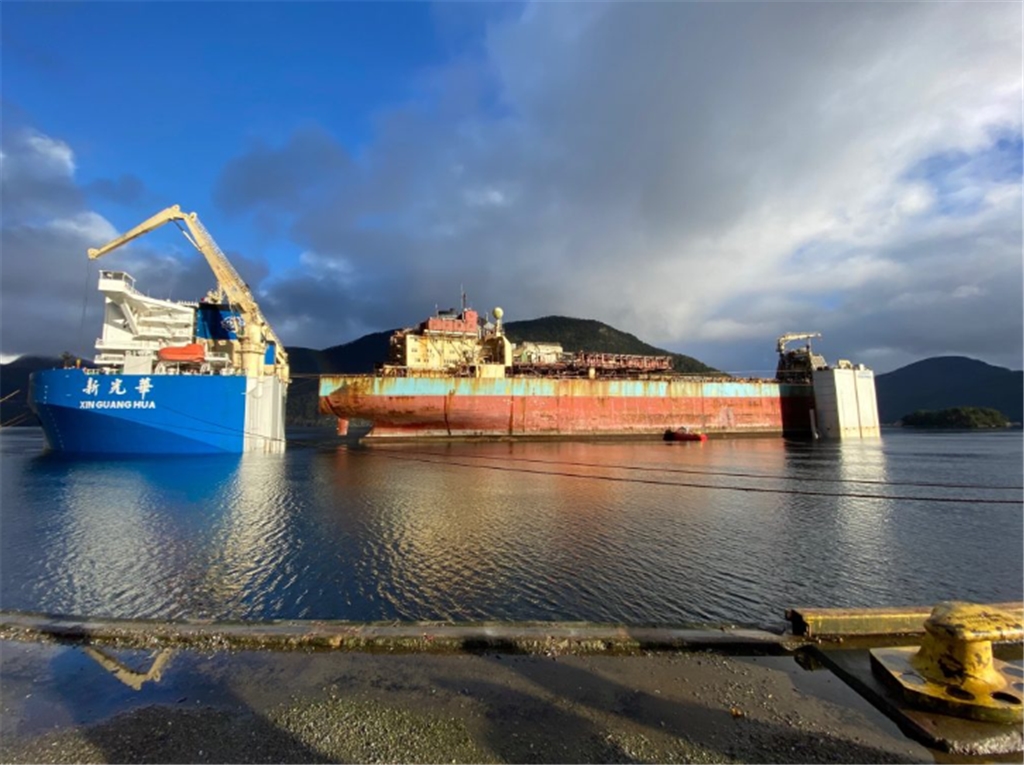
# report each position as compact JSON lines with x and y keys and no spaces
{"x":845,"y":402}
{"x":265,"y":399}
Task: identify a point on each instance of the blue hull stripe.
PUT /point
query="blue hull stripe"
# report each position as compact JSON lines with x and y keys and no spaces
{"x":142,"y":414}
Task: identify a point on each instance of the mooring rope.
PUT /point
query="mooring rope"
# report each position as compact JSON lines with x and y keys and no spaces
{"x":732,"y":474}
{"x":680,"y":484}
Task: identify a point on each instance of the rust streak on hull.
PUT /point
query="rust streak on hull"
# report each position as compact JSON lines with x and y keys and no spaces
{"x":430,"y":406}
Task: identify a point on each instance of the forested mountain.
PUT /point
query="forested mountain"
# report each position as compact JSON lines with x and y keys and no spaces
{"x":947,"y":382}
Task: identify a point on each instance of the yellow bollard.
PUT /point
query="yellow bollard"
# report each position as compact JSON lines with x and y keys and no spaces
{"x":954,"y":671}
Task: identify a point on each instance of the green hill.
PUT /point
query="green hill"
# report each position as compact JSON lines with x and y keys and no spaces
{"x":949,"y":382}
{"x":360,"y":355}
{"x":959,"y":418}
{"x":594,"y":336}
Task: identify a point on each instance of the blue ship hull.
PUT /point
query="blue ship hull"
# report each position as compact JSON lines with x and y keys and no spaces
{"x":139,"y":414}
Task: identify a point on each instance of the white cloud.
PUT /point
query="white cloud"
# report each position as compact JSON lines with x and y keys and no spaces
{"x":339,"y":268}
{"x":88,"y":226}
{"x":698,"y":174}
{"x":966,"y":291}
{"x":485,"y":197}
{"x":914,"y":200}
{"x":50,"y":155}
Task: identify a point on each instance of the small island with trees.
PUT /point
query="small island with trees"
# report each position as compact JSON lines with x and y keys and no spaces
{"x":957,"y":418}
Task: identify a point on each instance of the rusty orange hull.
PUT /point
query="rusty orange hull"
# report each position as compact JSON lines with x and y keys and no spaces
{"x":437,"y":406}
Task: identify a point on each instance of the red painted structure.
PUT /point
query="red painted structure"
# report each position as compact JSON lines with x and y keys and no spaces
{"x":464,"y":323}
{"x":425,"y":405}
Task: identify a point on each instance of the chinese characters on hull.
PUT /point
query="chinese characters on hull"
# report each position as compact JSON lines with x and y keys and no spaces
{"x":92,"y":387}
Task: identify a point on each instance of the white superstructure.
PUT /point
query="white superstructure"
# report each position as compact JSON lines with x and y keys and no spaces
{"x":136,"y":327}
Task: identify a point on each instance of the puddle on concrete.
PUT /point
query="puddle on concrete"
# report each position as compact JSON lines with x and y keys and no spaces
{"x":53,"y":686}
{"x":825,"y":686}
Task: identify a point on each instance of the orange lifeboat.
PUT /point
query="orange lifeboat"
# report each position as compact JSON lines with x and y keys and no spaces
{"x":195,"y":353}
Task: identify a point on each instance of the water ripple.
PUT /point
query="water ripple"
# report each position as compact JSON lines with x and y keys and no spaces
{"x":438,"y":533}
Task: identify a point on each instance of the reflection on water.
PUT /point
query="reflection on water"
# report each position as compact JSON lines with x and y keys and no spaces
{"x":636,"y":532}
{"x":107,"y":535}
{"x":247,"y":557}
{"x":866,"y":550}
{"x":121,"y":671}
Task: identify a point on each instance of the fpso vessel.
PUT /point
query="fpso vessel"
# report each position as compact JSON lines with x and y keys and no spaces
{"x":458,"y":376}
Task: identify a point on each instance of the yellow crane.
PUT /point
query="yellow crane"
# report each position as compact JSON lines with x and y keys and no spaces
{"x":254,"y":333}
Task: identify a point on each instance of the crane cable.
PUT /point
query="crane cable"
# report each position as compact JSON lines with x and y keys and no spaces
{"x":216,"y":280}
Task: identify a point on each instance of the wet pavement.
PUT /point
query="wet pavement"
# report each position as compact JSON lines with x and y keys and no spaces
{"x":64,"y":703}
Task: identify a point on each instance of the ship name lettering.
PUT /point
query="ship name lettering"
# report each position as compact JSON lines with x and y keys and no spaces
{"x":89,"y":404}
{"x":118,"y":405}
{"x":145,"y":386}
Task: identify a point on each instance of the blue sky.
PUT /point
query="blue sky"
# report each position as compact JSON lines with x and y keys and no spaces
{"x":169,"y":92}
{"x":956,"y":177}
{"x":706,"y":176}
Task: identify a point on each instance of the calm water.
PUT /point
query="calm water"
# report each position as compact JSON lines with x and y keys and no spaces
{"x":638,"y":532}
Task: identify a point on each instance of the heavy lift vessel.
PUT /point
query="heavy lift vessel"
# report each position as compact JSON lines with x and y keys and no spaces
{"x":171,"y":376}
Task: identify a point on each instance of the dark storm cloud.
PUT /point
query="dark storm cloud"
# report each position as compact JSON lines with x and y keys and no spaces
{"x":43,"y":217}
{"x":705,"y":176}
{"x":284,"y":179}
{"x":301,"y":308}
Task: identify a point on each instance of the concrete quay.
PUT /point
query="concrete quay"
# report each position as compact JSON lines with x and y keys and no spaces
{"x":86,"y":690}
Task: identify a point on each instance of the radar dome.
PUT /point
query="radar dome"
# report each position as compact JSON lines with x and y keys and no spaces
{"x":498,"y":313}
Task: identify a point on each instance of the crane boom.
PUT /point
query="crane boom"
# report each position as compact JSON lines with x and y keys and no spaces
{"x":791,"y":336}
{"x":255,"y":332}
